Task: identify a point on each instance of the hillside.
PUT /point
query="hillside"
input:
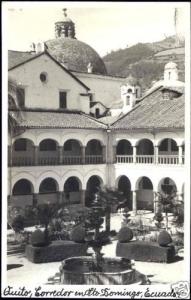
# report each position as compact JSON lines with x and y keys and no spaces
{"x":140,"y":61}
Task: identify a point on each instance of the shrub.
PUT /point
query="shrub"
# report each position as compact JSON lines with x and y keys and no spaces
{"x":103,"y":237}
{"x":125,"y":235}
{"x":78,"y":234}
{"x":18,"y":223}
{"x":39,"y":238}
{"x":164,"y":238}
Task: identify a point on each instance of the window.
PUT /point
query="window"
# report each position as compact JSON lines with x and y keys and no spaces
{"x":127,"y":100}
{"x":43,"y":77}
{"x":129,"y":91}
{"x":20,"y":145}
{"x":63,"y":99}
{"x":21,"y":97}
{"x":97,"y":113}
{"x":136,"y":93}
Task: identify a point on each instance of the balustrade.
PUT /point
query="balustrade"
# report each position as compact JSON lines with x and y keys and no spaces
{"x":168,"y":159}
{"x":93,"y":159}
{"x":144,"y":159}
{"x":72,"y":160}
{"x":43,"y":161}
{"x":23,"y":161}
{"x":124,"y":159}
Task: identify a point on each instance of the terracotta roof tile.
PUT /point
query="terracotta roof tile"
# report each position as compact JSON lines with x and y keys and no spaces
{"x":154,"y":112}
{"x":45,"y":119}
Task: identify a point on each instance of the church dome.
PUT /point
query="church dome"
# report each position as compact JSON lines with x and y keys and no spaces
{"x":73,"y":54}
{"x":76,"y":55}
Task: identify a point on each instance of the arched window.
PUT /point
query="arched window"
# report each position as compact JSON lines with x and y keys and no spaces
{"x":22,"y":187}
{"x":48,"y":145}
{"x":48,"y":185}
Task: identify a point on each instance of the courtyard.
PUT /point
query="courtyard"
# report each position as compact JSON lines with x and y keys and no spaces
{"x":21,"y":271}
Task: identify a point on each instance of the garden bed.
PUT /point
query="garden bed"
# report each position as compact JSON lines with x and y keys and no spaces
{"x":56,"y":251}
{"x":145,"y":251}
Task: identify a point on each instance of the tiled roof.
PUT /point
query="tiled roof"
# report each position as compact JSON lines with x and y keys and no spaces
{"x":154,"y":112}
{"x":53,"y":119}
{"x":17,"y":57}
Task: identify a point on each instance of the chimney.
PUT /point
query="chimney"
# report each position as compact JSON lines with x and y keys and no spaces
{"x":90,"y":67}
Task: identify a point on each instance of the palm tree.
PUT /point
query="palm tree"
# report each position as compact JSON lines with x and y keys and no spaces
{"x":109,"y":197}
{"x":14,"y":116}
{"x":166,"y":202}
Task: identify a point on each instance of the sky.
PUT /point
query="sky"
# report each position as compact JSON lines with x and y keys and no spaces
{"x":104,"y":26}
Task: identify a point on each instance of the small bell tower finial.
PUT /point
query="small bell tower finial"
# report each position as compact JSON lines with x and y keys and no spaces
{"x":65,"y":11}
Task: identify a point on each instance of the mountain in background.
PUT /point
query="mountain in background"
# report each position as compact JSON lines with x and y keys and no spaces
{"x":141,"y":61}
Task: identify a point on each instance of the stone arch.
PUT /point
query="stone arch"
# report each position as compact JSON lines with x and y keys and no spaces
{"x":92,"y":185}
{"x":23,"y":187}
{"x":124,"y":147}
{"x":48,"y":190}
{"x":168,"y":146}
{"x":27,"y":176}
{"x":167,"y":185}
{"x":48,"y":145}
{"x":72,"y":147}
{"x":48,"y":185}
{"x":26,"y":135}
{"x":167,"y":135}
{"x":73,"y":136}
{"x":48,"y":135}
{"x":72,"y":173}
{"x":94,"y":147}
{"x":94,"y":136}
{"x":22,"y":152}
{"x":51,"y":174}
{"x":145,"y":195}
{"x":145,"y":147}
{"x":27,"y":140}
{"x":124,"y":185}
{"x":72,"y":190}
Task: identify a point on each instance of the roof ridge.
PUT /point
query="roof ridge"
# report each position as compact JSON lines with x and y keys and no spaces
{"x":56,"y":61}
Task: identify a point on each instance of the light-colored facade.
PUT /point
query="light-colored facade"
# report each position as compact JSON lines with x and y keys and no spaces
{"x":63,"y":153}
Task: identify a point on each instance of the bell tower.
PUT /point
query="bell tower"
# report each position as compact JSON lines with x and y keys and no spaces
{"x":65,"y":28}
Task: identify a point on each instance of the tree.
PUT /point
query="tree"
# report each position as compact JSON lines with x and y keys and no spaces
{"x":108,"y":198}
{"x":166,"y":203}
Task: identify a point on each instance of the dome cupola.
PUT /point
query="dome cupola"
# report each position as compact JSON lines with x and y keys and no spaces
{"x":74,"y":54}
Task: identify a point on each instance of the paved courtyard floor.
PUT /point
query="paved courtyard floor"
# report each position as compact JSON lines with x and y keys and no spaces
{"x":23,"y":272}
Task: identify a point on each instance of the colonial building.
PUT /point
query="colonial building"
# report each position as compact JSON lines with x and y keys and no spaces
{"x":61,"y":153}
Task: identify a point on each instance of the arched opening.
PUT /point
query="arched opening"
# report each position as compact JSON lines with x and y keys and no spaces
{"x":23,"y":187}
{"x":22,"y":193}
{"x":72,"y":190}
{"x":94,"y":182}
{"x":167,"y":186}
{"x":124,"y":185}
{"x":145,"y":197}
{"x":48,"y":152}
{"x":124,"y":147}
{"x":22,"y":152}
{"x":145,"y":147}
{"x":72,"y":152}
{"x":168,"y":147}
{"x":94,"y":152}
{"x":145,"y":152}
{"x":48,"y":191}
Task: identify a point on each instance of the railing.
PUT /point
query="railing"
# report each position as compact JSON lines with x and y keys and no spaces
{"x":145,"y":159}
{"x":93,"y":159}
{"x":44,"y":161}
{"x":124,"y":159}
{"x":72,"y":160}
{"x":168,"y":159}
{"x":22,"y":161}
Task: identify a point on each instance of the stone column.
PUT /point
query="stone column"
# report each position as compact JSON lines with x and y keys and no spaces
{"x":60,"y":196}
{"x":35,"y":155}
{"x":114,"y":153}
{"x":134,"y":154}
{"x":104,"y":154}
{"x":35,"y":199}
{"x":60,"y":149}
{"x":83,"y":154}
{"x":180,"y":152}
{"x":134,"y":200}
{"x":156,"y":153}
{"x":83,"y":196}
